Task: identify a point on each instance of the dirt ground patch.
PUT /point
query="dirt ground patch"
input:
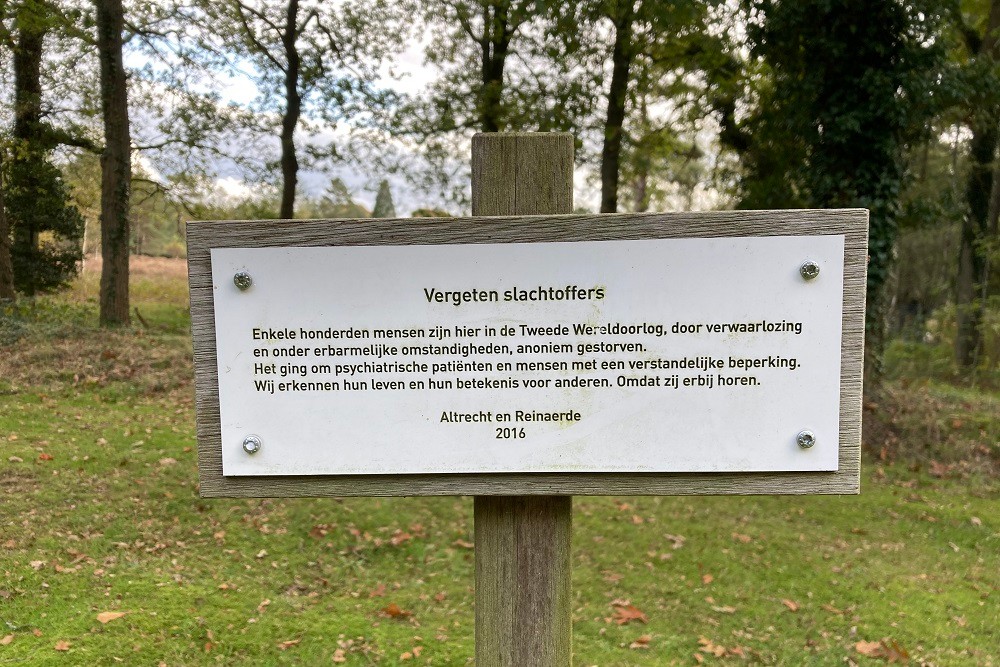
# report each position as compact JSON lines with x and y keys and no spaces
{"x":141,"y":265}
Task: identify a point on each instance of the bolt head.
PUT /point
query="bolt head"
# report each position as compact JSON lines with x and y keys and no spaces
{"x":809,"y":269}
{"x":251,"y":444}
{"x":243,"y":281}
{"x":806,"y":439}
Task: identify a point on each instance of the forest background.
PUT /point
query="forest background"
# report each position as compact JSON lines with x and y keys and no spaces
{"x":120,"y":121}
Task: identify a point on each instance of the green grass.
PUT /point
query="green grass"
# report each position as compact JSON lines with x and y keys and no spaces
{"x":113,"y":522}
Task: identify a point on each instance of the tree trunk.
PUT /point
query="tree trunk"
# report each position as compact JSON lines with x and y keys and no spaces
{"x":621,"y":60}
{"x":293,"y":110}
{"x":494,"y":46}
{"x":972,"y":265}
{"x":6,"y":267}
{"x":31,"y":29}
{"x":116,"y":170}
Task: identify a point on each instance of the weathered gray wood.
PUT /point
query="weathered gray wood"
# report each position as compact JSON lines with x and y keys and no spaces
{"x":523,"y":570}
{"x":852,"y":223}
{"x":522,"y":173}
{"x":523,"y":614}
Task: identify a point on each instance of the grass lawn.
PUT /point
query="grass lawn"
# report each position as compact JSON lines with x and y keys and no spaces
{"x":108,"y":555}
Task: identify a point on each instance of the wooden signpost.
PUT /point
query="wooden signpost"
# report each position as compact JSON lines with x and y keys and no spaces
{"x":527,"y":358}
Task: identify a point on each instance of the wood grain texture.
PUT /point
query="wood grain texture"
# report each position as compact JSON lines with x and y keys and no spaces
{"x":852,"y":223}
{"x":523,"y":543}
{"x":522,"y":173}
{"x":523,"y":614}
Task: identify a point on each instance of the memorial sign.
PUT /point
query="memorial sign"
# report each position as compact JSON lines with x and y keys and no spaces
{"x":571,"y":354}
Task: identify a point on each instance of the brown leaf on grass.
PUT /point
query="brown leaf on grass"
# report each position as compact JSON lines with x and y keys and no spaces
{"x":937,"y":469}
{"x":440,"y":596}
{"x":870,"y":649}
{"x":641,"y":642}
{"x":399,"y":537}
{"x":263,"y":605}
{"x":378,"y":591}
{"x":726,"y":609}
{"x":107,"y":616}
{"x":406,"y":655}
{"x":626,"y":613}
{"x":6,"y":640}
{"x":339,"y":656}
{"x":62,"y":645}
{"x":791,"y":604}
{"x":393,"y":610}
{"x":463,"y":544}
{"x":699,"y":658}
{"x":285,"y":645}
{"x":47,"y":457}
{"x":710,"y":647}
{"x":36,"y":632}
{"x":707,"y":579}
{"x":833,"y":610}
{"x":887,"y":649}
{"x":740,"y":537}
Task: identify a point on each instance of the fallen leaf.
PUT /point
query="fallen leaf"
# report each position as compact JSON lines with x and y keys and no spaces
{"x":870,"y":649}
{"x":406,"y":655}
{"x":833,"y":610}
{"x":626,"y":613}
{"x":168,"y":461}
{"x":338,"y":655}
{"x":791,"y":604}
{"x":393,"y":610}
{"x":637,"y":520}
{"x":108,"y":616}
{"x":262,"y":553}
{"x":263,"y":605}
{"x":440,"y":596}
{"x":6,"y":640}
{"x":708,"y":646}
{"x":285,"y":645}
{"x":399,"y":537}
{"x":378,"y":591}
{"x":641,"y":642}
{"x":698,"y":658}
{"x":417,"y":650}
{"x":726,"y":609}
{"x":464,"y":544}
{"x":37,"y":564}
{"x":976,"y":521}
{"x":15,"y":459}
{"x":740,"y":537}
{"x":707,"y":579}
{"x":44,"y":456}
{"x":36,"y":632}
{"x":61,"y":645}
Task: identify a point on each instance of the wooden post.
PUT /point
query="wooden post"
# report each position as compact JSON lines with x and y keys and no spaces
{"x":523,"y":615}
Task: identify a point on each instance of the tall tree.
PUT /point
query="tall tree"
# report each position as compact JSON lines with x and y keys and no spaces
{"x":648,"y":47}
{"x":308,"y":59}
{"x":384,"y":208}
{"x":116,"y":172}
{"x":843,"y":90}
{"x":980,"y":36}
{"x":6,"y":266}
{"x":44,"y":229}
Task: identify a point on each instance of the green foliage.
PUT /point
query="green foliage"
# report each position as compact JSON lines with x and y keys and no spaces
{"x":384,"y":208}
{"x":47,"y":230}
{"x":843,"y":90}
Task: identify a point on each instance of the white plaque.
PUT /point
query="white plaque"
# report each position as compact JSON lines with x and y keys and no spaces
{"x":668,"y":355}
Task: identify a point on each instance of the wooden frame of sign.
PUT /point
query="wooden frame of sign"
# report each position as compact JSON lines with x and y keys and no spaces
{"x":204,"y":236}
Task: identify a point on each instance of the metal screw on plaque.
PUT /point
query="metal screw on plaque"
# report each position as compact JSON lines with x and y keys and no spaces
{"x":806,"y":439}
{"x":809,"y":269}
{"x":251,"y":444}
{"x":243,"y":281}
